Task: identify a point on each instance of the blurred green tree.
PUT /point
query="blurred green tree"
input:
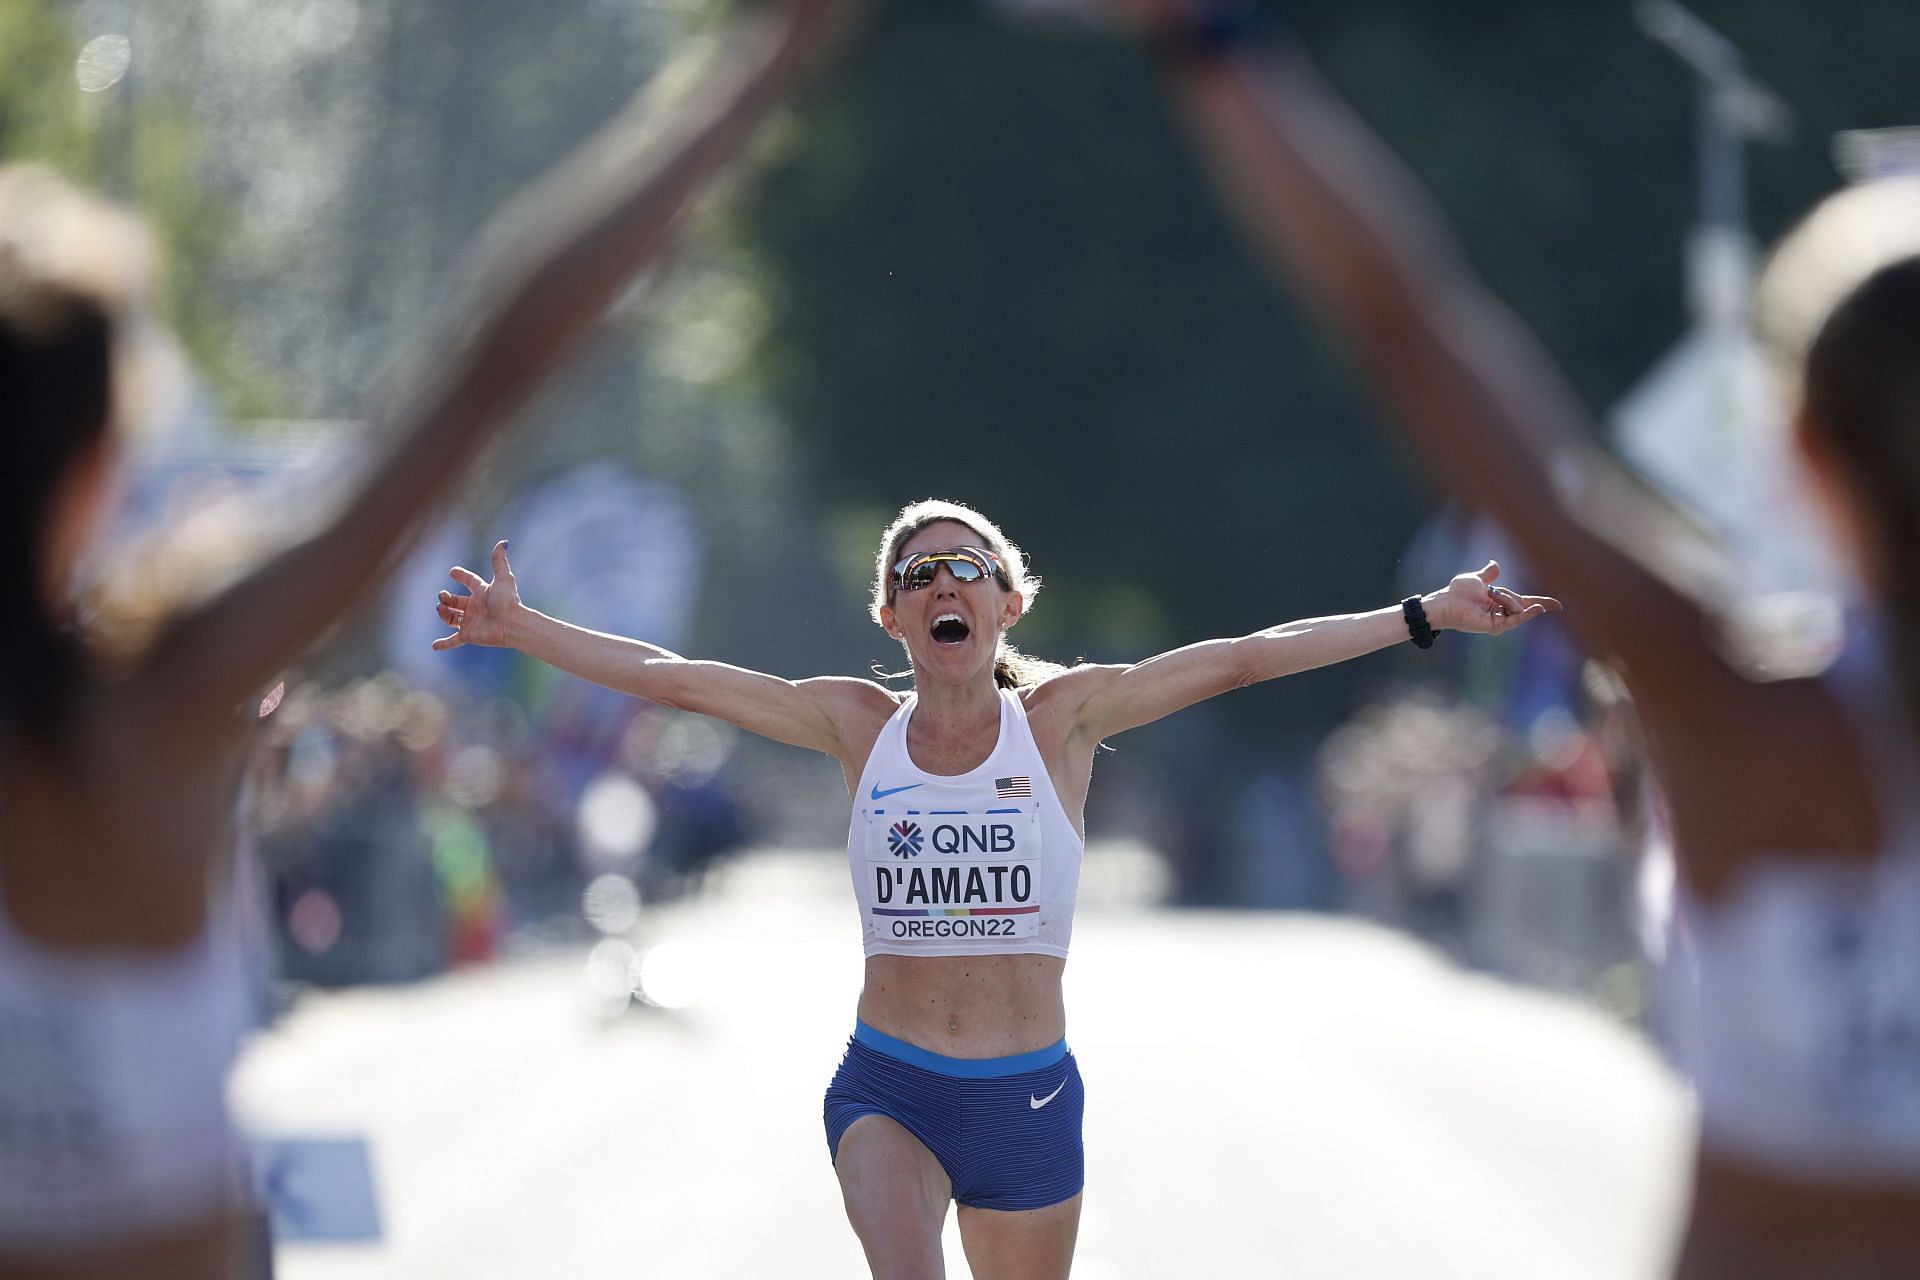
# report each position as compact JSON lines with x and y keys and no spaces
{"x":1000,"y":276}
{"x":144,"y":157}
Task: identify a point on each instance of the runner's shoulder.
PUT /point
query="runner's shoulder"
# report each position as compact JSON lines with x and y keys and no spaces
{"x":852,"y":696}
{"x":1068,"y":688}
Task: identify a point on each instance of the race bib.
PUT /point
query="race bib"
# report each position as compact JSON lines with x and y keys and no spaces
{"x":941,"y":874}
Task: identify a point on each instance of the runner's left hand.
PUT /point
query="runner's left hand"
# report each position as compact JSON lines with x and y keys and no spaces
{"x":1471,"y":602}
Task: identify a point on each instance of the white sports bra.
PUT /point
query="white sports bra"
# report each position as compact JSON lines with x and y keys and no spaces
{"x":113,"y":1068}
{"x":1795,"y":1007}
{"x":972,"y":864}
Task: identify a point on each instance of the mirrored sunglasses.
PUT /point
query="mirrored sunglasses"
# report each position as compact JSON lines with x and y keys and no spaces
{"x":966,"y":564}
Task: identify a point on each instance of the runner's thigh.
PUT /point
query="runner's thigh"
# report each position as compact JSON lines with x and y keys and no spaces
{"x":896,"y":1195}
{"x":1020,"y":1244}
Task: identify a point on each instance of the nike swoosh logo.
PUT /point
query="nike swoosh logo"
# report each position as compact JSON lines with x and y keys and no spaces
{"x":1037,"y":1103}
{"x":879,"y":794}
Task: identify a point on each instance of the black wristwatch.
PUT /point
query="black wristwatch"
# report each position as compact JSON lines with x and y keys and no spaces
{"x":1417,"y":625}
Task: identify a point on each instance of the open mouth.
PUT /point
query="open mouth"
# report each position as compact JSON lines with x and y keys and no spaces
{"x":949,"y":629}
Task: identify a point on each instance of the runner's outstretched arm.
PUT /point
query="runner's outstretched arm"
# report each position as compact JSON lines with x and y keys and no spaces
{"x":1105,"y":699}
{"x":805,"y":713}
{"x":1112,"y":699}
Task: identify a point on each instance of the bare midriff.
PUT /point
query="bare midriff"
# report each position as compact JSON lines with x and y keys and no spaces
{"x":1760,"y":1226}
{"x":967,"y":1006}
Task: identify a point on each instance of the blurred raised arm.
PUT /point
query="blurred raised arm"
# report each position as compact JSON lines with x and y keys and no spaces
{"x":1328,"y":205}
{"x":583,"y":232}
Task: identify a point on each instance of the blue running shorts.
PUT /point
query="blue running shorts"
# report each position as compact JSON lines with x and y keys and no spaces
{"x":1006,"y":1130}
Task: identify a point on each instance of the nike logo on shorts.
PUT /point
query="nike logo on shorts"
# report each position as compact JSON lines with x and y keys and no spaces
{"x":1037,"y":1103}
{"x":879,"y":793}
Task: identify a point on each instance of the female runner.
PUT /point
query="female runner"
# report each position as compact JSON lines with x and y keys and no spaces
{"x":119,"y":992}
{"x":1792,"y":801}
{"x":965,"y":847}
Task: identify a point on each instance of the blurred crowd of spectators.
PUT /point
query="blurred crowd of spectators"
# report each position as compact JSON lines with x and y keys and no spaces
{"x":1513,"y":846}
{"x":399,"y":833}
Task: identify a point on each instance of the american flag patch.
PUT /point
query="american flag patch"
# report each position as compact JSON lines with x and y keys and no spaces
{"x":1012,"y":788}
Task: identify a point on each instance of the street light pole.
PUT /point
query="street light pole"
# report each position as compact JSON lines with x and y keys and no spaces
{"x":1732,"y":109}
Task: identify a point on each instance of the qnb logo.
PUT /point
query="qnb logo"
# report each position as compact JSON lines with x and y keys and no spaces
{"x":904,"y":840}
{"x":991,"y":837}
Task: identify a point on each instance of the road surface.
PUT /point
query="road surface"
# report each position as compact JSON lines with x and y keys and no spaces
{"x":1268,"y":1095}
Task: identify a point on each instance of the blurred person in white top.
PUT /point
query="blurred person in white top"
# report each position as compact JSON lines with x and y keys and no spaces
{"x":1793,"y":802}
{"x":123,"y":727}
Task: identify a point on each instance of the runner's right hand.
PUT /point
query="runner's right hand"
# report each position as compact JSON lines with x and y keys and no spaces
{"x":480,"y":617}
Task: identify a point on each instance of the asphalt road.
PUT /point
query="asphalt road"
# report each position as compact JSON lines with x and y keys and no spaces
{"x":1268,"y":1095}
